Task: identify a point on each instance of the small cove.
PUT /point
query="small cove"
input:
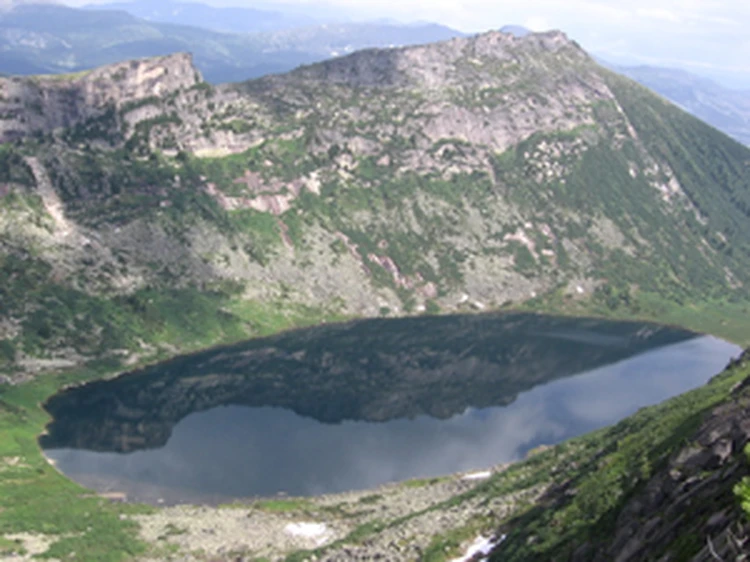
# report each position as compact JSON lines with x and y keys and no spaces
{"x":354,"y":406}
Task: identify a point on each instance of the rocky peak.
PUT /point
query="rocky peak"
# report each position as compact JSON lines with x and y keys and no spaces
{"x":133,"y":80}
{"x":437,"y":64}
{"x":45,"y":103}
{"x":497,"y":43}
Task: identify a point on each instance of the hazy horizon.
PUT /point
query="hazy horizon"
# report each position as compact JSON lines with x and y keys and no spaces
{"x":706,"y":37}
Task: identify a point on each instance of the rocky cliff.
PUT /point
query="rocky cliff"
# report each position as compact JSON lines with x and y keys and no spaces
{"x":41,"y":105}
{"x":690,"y":504}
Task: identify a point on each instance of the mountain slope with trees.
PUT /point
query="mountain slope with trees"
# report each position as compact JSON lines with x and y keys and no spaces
{"x":480,"y":173}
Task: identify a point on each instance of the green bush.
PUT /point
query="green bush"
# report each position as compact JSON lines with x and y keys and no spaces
{"x":742,"y":488}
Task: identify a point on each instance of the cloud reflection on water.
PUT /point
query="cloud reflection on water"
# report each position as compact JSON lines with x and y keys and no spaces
{"x":237,"y":451}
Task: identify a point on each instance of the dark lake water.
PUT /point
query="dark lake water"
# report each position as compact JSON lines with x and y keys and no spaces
{"x":353,"y":406}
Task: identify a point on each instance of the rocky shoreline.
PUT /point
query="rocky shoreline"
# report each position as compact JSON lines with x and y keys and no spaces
{"x":333,"y":525}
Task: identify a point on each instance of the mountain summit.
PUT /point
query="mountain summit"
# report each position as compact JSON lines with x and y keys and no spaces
{"x":468,"y":62}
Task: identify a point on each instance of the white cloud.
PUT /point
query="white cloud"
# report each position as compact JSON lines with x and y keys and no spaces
{"x":658,"y":14}
{"x":536,"y":23}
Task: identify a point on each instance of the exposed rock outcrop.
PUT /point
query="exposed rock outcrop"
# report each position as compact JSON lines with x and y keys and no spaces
{"x":45,"y":103}
{"x":691,"y":502}
{"x":434,"y":66}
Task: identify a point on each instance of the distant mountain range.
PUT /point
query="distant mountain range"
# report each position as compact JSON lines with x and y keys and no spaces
{"x":44,"y":39}
{"x":227,"y":19}
{"x":727,"y":110}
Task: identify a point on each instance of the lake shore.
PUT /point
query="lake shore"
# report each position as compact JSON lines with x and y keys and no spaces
{"x":66,"y":518}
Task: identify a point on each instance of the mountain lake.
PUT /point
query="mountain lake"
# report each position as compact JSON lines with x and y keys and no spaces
{"x":357,"y":405}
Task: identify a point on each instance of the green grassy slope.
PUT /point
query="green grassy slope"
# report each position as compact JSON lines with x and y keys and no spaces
{"x":595,"y":477}
{"x":36,"y":499}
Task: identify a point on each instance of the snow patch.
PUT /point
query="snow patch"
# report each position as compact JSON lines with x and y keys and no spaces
{"x":477,"y":475}
{"x":306,"y":530}
{"x":314,"y":531}
{"x":482,"y":546}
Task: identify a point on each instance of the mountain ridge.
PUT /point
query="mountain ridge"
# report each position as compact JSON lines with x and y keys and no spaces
{"x":228,"y":19}
{"x":41,"y":42}
{"x":471,"y":173}
{"x":403,"y":60}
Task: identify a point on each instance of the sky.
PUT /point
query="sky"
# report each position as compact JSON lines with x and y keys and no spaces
{"x":708,"y":37}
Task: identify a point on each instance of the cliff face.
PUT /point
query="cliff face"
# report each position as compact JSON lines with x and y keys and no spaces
{"x":46,"y":103}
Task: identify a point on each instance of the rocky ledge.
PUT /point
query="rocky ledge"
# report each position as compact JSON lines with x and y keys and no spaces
{"x":41,"y":104}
